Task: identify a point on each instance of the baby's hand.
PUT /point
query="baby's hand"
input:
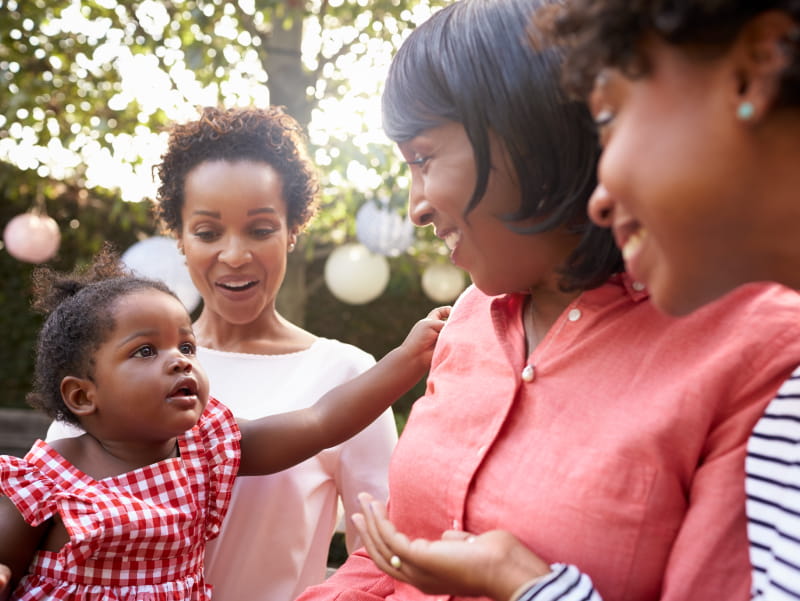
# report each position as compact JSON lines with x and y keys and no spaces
{"x":421,"y":340}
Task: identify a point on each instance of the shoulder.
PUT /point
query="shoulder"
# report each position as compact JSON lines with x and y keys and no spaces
{"x":471,"y":303}
{"x":754,"y":310}
{"x":762,"y":295}
{"x":217,"y":422}
{"x":342,"y":352}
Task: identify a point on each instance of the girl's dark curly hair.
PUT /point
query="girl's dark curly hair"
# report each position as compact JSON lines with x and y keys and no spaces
{"x":238,"y":134}
{"x":80,"y":315}
{"x":607,"y":33}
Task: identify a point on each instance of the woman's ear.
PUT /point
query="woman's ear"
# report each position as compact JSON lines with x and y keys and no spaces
{"x":78,"y":395}
{"x":763,"y":53}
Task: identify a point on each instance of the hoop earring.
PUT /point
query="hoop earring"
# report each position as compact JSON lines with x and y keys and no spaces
{"x":745,"y":111}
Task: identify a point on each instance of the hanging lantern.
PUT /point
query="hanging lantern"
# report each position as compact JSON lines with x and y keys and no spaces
{"x":158,"y":258}
{"x":32,"y":237}
{"x":355,"y":275}
{"x":443,"y":282}
{"x":382,"y":230}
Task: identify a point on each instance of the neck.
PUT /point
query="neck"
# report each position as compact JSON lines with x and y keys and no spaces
{"x":541,"y":312}
{"x":123,"y":456}
{"x":270,"y":334}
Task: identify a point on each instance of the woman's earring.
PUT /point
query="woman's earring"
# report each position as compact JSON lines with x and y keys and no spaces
{"x":745,"y":111}
{"x":291,"y":246}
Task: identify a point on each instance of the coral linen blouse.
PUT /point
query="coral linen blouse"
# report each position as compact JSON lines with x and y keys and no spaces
{"x":621,"y":451}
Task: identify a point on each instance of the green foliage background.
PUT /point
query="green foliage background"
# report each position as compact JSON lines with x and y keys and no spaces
{"x":59,"y":85}
{"x":97,"y":215}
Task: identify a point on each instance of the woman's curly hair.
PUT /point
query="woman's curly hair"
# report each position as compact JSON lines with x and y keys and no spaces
{"x":80,"y":315}
{"x":238,"y":134}
{"x":607,"y":33}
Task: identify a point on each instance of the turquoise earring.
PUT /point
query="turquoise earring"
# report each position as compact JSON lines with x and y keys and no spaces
{"x":745,"y":111}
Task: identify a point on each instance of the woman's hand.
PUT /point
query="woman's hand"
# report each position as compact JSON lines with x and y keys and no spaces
{"x":5,"y":578}
{"x":493,"y":564}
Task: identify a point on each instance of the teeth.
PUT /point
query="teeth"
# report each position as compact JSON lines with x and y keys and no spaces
{"x":231,"y":286}
{"x":633,"y":244}
{"x":451,"y":240}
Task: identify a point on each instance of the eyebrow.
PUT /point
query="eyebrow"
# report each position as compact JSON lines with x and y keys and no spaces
{"x":152,"y":332}
{"x":216,"y":214}
{"x":137,"y":334}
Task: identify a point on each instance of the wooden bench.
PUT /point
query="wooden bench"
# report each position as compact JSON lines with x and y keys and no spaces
{"x":19,"y":429}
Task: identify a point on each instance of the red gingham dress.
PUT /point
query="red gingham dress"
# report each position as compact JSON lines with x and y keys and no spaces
{"x":140,"y":535}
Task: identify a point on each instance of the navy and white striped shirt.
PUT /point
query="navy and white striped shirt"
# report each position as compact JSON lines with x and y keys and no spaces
{"x":565,"y":583}
{"x":773,"y":496}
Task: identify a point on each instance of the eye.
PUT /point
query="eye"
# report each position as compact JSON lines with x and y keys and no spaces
{"x":187,"y":348}
{"x":206,"y":235}
{"x":263,"y":231}
{"x":604,"y":118}
{"x":144,"y":351}
{"x":418,"y":160}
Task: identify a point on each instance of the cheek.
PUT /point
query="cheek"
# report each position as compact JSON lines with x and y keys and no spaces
{"x":196,"y":254}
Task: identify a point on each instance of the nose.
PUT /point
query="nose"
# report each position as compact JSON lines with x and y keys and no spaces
{"x":601,"y":206}
{"x":235,"y":252}
{"x":179,"y":363}
{"x":420,"y":211}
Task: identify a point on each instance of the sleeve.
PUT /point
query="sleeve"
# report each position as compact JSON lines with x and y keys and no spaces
{"x":221,"y":436}
{"x":364,"y":467}
{"x":358,"y":579}
{"x":31,"y":492}
{"x":565,"y":583}
{"x":710,"y":556}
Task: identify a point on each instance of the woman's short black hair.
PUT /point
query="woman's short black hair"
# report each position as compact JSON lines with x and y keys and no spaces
{"x":473,"y":63}
{"x":239,"y":134}
{"x":80,"y":316}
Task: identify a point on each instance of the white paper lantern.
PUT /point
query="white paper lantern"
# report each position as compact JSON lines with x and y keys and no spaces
{"x":159,"y":258}
{"x":355,"y":275}
{"x":32,"y":238}
{"x":383,"y":230}
{"x":442,"y":282}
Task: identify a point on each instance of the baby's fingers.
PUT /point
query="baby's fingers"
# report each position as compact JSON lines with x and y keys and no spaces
{"x":440,"y":313}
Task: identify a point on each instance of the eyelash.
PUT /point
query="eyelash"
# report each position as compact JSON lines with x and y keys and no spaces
{"x":604,"y":118}
{"x":258,"y":232}
{"x":138,"y":351}
{"x":206,"y":236}
{"x":187,"y":348}
{"x":418,"y":161}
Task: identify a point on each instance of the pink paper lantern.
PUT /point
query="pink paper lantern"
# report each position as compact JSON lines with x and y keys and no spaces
{"x":32,"y":238}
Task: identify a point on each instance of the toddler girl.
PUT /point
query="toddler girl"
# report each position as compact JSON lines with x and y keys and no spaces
{"x":124,"y":511}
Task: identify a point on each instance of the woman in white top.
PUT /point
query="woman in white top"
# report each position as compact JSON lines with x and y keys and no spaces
{"x":236,"y":190}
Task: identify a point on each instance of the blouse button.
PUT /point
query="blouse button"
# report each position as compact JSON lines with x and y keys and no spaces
{"x":574,"y":315}
{"x":528,"y":373}
{"x":638,"y":286}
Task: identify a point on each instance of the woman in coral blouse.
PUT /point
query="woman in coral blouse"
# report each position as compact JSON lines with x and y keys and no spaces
{"x":562,"y":409}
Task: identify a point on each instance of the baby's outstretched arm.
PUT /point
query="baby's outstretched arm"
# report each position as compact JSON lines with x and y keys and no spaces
{"x":276,"y":442}
{"x":18,"y":543}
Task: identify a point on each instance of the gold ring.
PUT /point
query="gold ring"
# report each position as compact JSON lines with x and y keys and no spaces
{"x":396,"y":562}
